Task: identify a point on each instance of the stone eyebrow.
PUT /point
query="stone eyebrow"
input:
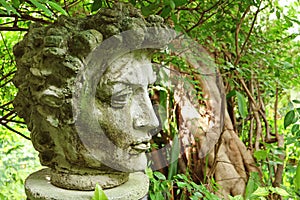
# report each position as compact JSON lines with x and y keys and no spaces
{"x":125,"y":89}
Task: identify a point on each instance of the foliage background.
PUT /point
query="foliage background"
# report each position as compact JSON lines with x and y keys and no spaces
{"x":255,"y":44}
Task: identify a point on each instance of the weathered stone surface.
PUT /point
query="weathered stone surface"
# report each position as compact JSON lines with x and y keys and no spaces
{"x":88,"y":182}
{"x":38,"y":187}
{"x":83,"y":94}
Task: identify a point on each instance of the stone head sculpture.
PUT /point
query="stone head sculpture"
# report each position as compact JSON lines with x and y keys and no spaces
{"x":83,"y":94}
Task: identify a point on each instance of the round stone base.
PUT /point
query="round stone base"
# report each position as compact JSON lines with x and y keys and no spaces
{"x":38,"y":187}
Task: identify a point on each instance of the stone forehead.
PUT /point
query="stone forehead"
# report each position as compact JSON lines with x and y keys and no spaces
{"x":131,"y":68}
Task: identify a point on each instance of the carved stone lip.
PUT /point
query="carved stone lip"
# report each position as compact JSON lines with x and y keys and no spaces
{"x":138,"y":148}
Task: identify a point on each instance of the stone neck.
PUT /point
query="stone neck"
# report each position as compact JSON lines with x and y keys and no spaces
{"x":86,"y":182}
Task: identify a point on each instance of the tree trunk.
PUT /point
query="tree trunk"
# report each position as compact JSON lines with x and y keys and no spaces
{"x":205,"y":136}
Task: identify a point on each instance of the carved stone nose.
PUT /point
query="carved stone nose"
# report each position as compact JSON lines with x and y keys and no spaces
{"x":147,"y":120}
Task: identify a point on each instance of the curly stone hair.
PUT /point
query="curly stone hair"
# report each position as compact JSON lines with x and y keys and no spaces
{"x":48,"y":60}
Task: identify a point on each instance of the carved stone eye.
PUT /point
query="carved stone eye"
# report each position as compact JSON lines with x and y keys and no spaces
{"x":120,"y":100}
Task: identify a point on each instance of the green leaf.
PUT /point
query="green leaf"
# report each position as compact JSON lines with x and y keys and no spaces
{"x":16,"y":3}
{"x":133,"y":2}
{"x":166,"y":11}
{"x":280,"y":191}
{"x":9,"y":8}
{"x":42,"y":7}
{"x":149,"y":172}
{"x":181,"y":184}
{"x":99,"y":194}
{"x":175,"y":151}
{"x":57,"y":7}
{"x":252,"y":185}
{"x":238,"y":197}
{"x":295,"y":128}
{"x":180,"y":2}
{"x":261,"y":191}
{"x":242,"y":105}
{"x":278,"y":14}
{"x":197,"y":195}
{"x":172,"y":4}
{"x":289,"y":118}
{"x":96,"y":5}
{"x":289,"y":23}
{"x":148,"y":10}
{"x":296,"y":101}
{"x":159,"y":175}
{"x":297,"y":177}
{"x":261,"y":154}
{"x":230,"y":94}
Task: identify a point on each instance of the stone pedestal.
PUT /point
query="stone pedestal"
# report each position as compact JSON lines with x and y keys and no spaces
{"x":38,"y":187}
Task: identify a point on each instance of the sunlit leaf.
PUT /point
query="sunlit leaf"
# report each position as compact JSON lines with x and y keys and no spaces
{"x":159,"y":175}
{"x":57,"y":7}
{"x":297,"y":177}
{"x":261,"y":191}
{"x":252,"y":185}
{"x":149,"y":172}
{"x":41,"y":6}
{"x":261,"y":154}
{"x":99,"y":194}
{"x":181,"y":184}
{"x":8,"y":7}
{"x":280,"y":191}
{"x":238,"y":197}
{"x":242,"y":105}
{"x":278,"y":14}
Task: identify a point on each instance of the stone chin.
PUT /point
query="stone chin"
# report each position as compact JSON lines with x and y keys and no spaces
{"x":116,"y":159}
{"x":133,"y":164}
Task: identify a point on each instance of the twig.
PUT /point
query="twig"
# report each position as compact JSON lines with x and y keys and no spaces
{"x":275,"y":112}
{"x":13,"y":29}
{"x":251,"y":28}
{"x":237,"y":31}
{"x":7,"y":75}
{"x":4,"y":120}
{"x":201,"y":21}
{"x":6,"y":47}
{"x":27,"y":17}
{"x":280,"y":139}
{"x":7,"y":115}
{"x":13,"y":121}
{"x":15,"y":131}
{"x":6,"y":104}
{"x":6,"y":83}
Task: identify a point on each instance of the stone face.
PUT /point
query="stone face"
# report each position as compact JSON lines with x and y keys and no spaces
{"x":38,"y":187}
{"x":83,"y":94}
